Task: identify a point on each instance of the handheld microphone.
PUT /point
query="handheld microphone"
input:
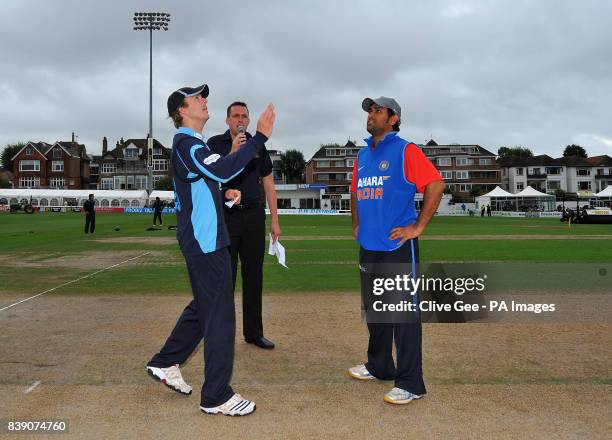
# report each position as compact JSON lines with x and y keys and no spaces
{"x":241,"y":129}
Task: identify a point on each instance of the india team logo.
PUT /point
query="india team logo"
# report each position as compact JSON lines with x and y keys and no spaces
{"x":383,"y":166}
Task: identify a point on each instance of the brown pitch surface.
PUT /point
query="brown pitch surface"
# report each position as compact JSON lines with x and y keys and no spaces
{"x":484,"y":380}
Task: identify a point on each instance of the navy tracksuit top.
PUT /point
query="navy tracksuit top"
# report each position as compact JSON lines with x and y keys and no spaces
{"x":198,"y":175}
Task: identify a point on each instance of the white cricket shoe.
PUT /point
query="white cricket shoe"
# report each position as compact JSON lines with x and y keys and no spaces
{"x":171,"y":377}
{"x":235,"y":406}
{"x":360,"y":372}
{"x":399,"y":396}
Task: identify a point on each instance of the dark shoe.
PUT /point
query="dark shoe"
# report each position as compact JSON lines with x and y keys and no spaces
{"x":261,"y":343}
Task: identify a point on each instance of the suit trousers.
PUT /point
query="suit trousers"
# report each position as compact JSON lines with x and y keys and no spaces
{"x":247,"y":234}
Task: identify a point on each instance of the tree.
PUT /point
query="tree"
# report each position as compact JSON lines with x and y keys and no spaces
{"x":4,"y":183}
{"x":164,"y":184}
{"x":7,"y":154}
{"x":516,"y":151}
{"x":575,"y":150}
{"x":292,"y":165}
{"x":475,"y":192}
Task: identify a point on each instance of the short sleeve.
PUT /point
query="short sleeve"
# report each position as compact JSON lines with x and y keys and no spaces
{"x":354,"y":178}
{"x":418,"y":169}
{"x":266,"y":164}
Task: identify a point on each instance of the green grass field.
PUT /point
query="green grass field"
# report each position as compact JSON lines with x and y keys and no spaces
{"x":41,"y":251}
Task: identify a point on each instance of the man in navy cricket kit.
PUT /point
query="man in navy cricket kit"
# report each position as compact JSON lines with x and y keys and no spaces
{"x":386,"y":175}
{"x":204,"y":241}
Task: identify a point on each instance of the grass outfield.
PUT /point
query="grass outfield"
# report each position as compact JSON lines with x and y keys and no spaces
{"x":41,"y":251}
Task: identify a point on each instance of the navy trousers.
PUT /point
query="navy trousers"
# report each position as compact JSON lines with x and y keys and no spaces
{"x":209,"y":316}
{"x":408,"y":374}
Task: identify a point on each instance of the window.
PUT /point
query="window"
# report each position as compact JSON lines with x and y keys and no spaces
{"x":29,"y":165}
{"x":3,"y":201}
{"x":140,"y":182}
{"x":57,"y":153}
{"x":160,"y":165}
{"x":350,"y":162}
{"x":583,"y":171}
{"x":465,"y":187}
{"x":34,"y":202}
{"x":484,"y":161}
{"x":310,"y":204}
{"x":342,"y":152}
{"x":108,"y":168}
{"x":519,"y":171}
{"x":584,"y":186}
{"x":107,"y":183}
{"x":44,"y":202}
{"x":104,"y":203}
{"x":119,"y":182}
{"x":283,"y":203}
{"x":322,"y":176}
{"x":332,"y":152}
{"x":57,"y":166}
{"x":349,"y":176}
{"x":130,"y":153}
{"x":134,"y":203}
{"x":552,"y":185}
{"x":520,"y":186}
{"x":29,"y":151}
{"x":125,"y":203}
{"x":157,"y":150}
{"x":29,"y":182}
{"x":463,"y":161}
{"x":462,"y":175}
{"x":323,"y":164}
{"x":553,"y":170}
{"x":56,"y":182}
{"x":447,"y":174}
{"x":115,"y":203}
{"x":536,"y":171}
{"x":54,"y":202}
{"x":157,"y":179}
{"x":337,"y":164}
{"x":130,"y":182}
{"x":444,"y":161}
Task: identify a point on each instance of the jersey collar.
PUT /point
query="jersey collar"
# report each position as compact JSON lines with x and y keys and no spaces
{"x":369,"y":141}
{"x":191,"y":132}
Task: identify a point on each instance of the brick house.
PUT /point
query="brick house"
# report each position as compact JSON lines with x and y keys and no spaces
{"x":62,"y":165}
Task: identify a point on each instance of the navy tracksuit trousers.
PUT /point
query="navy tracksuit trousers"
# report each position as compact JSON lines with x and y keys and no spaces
{"x":408,"y":374}
{"x":209,"y":316}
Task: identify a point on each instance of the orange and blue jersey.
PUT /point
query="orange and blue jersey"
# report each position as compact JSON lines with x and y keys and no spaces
{"x":385,"y":181}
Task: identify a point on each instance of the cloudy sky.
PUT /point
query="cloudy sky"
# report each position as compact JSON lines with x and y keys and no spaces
{"x":532,"y":73}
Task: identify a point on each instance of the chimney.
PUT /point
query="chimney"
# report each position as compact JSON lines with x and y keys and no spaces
{"x":73,"y":137}
{"x":104,"y":145}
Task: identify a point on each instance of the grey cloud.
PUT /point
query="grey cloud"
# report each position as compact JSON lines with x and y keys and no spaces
{"x":493,"y":72}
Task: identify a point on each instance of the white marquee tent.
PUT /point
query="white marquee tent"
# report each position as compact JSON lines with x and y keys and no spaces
{"x":73,"y":197}
{"x":603,"y":198}
{"x":166,"y":196}
{"x":498,"y":198}
{"x":533,"y":199}
{"x":529,"y":198}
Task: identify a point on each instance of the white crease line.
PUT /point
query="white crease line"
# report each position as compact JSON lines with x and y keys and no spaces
{"x":31,"y":388}
{"x":74,"y":281}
